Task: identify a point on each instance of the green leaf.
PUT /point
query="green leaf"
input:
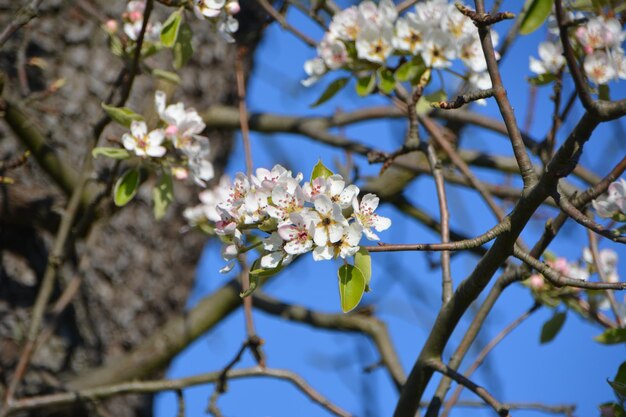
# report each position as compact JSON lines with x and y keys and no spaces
{"x":162,"y":195}
{"x":542,"y":79}
{"x":169,"y":33}
{"x":351,"y":287}
{"x":183,"y":50}
{"x":126,"y":187}
{"x":121,"y":115}
{"x":620,"y":390}
{"x":386,"y":80}
{"x":363,"y":261}
{"x":365,"y":85}
{"x":115,"y":44}
{"x":552,"y":327}
{"x":168,"y":76}
{"x":611,"y":409}
{"x":424,"y":104}
{"x":612,"y":337}
{"x":409,"y":70}
{"x":113,"y":153}
{"x":537,"y":11}
{"x":331,"y":90}
{"x":320,"y":170}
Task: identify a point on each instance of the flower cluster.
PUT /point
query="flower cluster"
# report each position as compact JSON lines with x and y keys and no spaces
{"x":366,"y":36}
{"x":322,"y":216}
{"x":582,"y":270}
{"x":599,"y":41}
{"x":221,"y":13}
{"x":133,"y":21}
{"x":179,"y":131}
{"x":613,"y":203}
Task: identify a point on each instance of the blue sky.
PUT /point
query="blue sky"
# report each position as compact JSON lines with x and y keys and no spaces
{"x":406,"y":291}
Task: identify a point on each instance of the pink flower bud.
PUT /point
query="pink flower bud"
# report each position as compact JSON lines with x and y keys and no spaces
{"x":536,"y":282}
{"x":232,"y":7}
{"x":111,"y":26}
{"x":135,"y":16}
{"x":180,"y":173}
{"x":171,"y":131}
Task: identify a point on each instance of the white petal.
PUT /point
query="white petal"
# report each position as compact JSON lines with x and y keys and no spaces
{"x":322,"y":253}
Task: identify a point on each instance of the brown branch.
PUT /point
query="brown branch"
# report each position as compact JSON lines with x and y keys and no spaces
{"x":605,"y":110}
{"x":483,"y":354}
{"x":580,"y":218}
{"x":442,"y":368}
{"x":469,"y":289}
{"x":506,"y":110}
{"x":559,"y":280}
{"x":369,"y":325}
{"x":24,"y":15}
{"x":149,"y":387}
{"x":465,"y":244}
{"x":285,"y":25}
{"x":464,"y":99}
{"x":481,"y":18}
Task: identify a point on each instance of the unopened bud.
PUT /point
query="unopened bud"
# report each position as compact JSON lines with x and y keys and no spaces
{"x":232,"y":7}
{"x":111,"y":26}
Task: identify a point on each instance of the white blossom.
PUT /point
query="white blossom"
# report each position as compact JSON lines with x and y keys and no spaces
{"x":613,"y":201}
{"x":374,"y":43}
{"x":143,"y":143}
{"x":365,"y":216}
{"x":551,"y":59}
{"x":599,"y":68}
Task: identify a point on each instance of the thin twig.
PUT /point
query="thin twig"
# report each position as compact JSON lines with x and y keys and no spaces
{"x":148,"y":387}
{"x":559,"y":280}
{"x":285,"y":25}
{"x":465,"y":244}
{"x":442,"y":368}
{"x":506,"y":110}
{"x":483,"y":354}
{"x":24,"y":15}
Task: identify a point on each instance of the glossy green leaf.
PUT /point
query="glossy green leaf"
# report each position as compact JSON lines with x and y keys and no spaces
{"x":183,"y":50}
{"x":363,"y":261}
{"x":351,"y":287}
{"x":320,"y":170}
{"x":543,"y":79}
{"x":410,"y":70}
{"x":386,"y":80}
{"x":612,"y":337}
{"x":126,"y":187}
{"x":169,"y":32}
{"x":552,"y":327}
{"x":162,"y":195}
{"x":113,"y":153}
{"x":365,"y":85}
{"x":619,"y":384}
{"x":424,"y":104}
{"x":332,"y":89}
{"x":168,"y":76}
{"x":121,"y":115}
{"x":537,"y":11}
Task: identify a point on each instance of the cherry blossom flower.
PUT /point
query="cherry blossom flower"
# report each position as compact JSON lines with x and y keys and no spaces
{"x":314,"y":68}
{"x":409,"y":34}
{"x":276,"y":254}
{"x":365,"y":216}
{"x":299,"y":234}
{"x":208,"y":8}
{"x":374,"y":43}
{"x":331,"y":224}
{"x":333,"y":52}
{"x":344,"y":25}
{"x":613,"y":202}
{"x":551,"y":59}
{"x":133,"y":22}
{"x":439,"y":50}
{"x":143,"y":143}
{"x":599,"y":68}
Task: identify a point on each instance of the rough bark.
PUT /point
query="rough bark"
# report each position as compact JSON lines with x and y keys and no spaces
{"x":136,"y":272}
